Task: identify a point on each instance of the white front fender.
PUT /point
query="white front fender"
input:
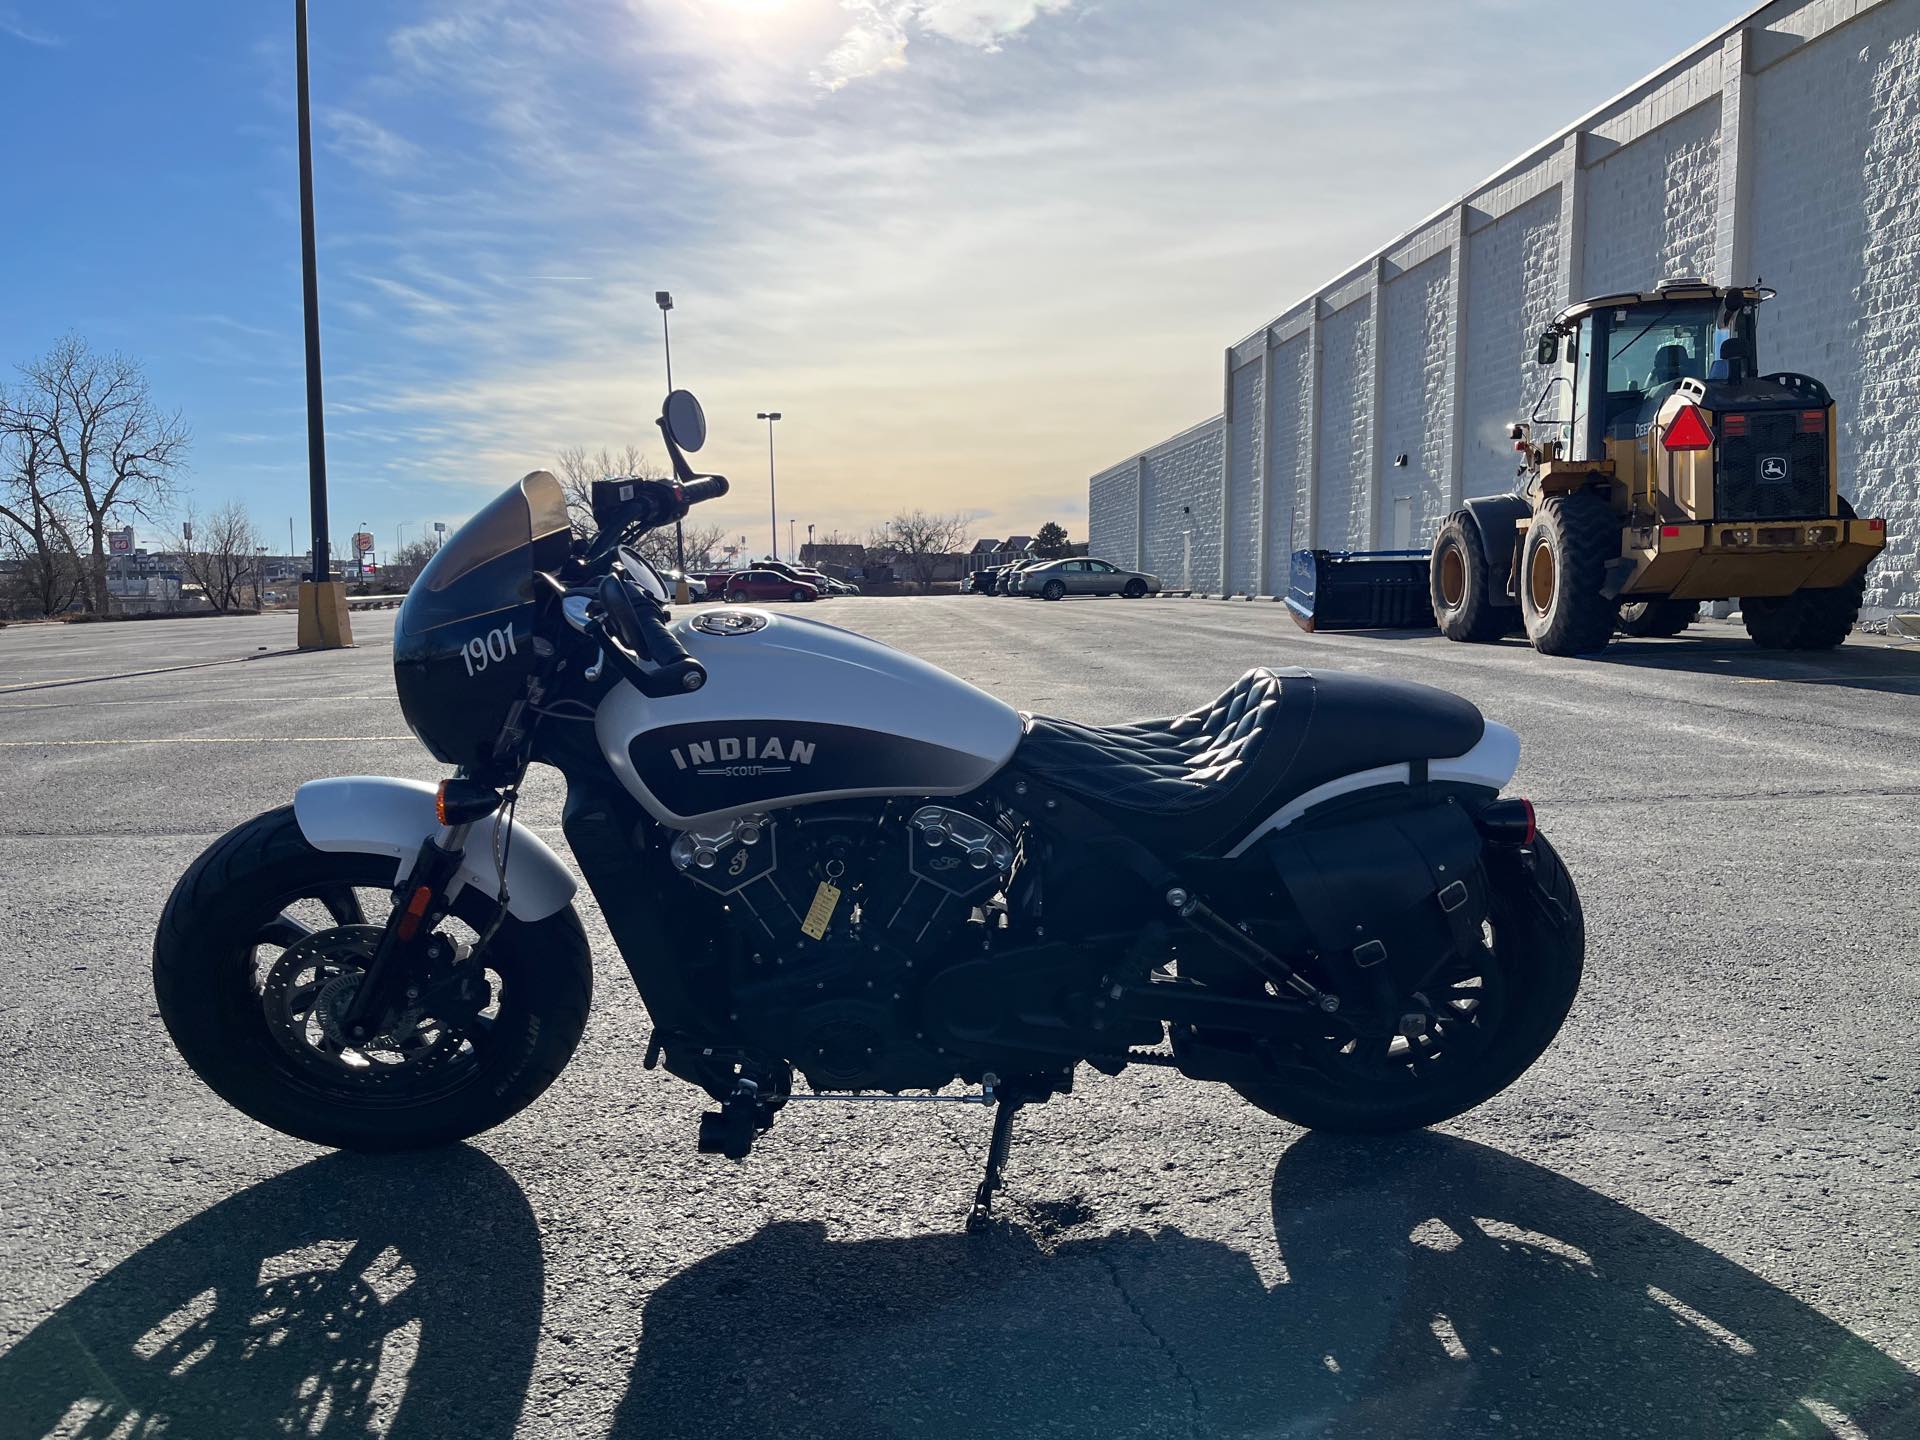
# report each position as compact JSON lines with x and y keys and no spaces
{"x":376,"y":815}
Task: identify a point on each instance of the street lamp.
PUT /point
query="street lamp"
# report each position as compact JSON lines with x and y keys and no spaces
{"x":397,"y":541}
{"x":773,"y":509}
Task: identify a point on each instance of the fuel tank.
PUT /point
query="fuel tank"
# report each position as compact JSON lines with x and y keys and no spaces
{"x":793,"y":712}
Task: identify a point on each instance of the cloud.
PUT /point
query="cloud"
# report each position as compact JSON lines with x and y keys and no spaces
{"x":12,"y":24}
{"x":876,"y":40}
{"x":371,"y":146}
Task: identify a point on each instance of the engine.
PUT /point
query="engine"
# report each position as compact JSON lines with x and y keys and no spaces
{"x":841,"y":916}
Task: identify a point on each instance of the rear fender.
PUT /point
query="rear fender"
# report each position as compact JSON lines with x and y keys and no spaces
{"x":1496,"y":516}
{"x":376,"y":815}
{"x":1489,"y":765}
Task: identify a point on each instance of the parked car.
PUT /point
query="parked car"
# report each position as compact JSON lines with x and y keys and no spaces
{"x":1057,"y":579}
{"x":981,"y":582}
{"x":1009,"y":576}
{"x":763,"y":584}
{"x":806,"y":576}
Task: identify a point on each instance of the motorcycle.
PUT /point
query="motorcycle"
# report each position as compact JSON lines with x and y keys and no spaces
{"x":817,"y":854}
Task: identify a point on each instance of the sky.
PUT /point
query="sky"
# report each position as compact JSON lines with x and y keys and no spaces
{"x":972,"y":250}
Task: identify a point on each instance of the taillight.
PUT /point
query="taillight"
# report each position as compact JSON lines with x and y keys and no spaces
{"x":1507,"y":822}
{"x":1688,"y":431}
{"x":1813,"y":422}
{"x":1876,"y":523}
{"x":1732,"y":427}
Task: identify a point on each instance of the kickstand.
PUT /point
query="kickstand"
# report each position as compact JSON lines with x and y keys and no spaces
{"x":1003,"y":1112}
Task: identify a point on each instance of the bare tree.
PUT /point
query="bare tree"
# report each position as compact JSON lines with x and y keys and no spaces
{"x":38,"y":521}
{"x":404,"y":565}
{"x":96,"y":416}
{"x":921,"y":540}
{"x":222,"y":557}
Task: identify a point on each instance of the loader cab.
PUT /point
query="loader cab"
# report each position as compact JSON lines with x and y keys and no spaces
{"x":1616,"y":359}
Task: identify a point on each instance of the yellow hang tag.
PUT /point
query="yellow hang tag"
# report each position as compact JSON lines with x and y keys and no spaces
{"x":820,"y":913}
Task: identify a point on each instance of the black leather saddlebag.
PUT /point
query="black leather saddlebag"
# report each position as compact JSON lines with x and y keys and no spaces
{"x":1386,"y":899}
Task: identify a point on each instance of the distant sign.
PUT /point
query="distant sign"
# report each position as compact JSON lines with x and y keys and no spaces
{"x":362,"y":542}
{"x":439,"y":527}
{"x":120,"y":542}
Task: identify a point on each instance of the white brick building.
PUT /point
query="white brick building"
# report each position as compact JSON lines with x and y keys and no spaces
{"x":1784,"y":149}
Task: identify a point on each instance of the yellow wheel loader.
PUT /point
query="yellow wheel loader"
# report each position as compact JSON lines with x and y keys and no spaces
{"x":1660,"y":469}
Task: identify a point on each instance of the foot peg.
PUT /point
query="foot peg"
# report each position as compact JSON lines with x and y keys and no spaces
{"x":731,"y":1129}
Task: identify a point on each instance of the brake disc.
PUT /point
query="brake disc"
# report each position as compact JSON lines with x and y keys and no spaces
{"x":308,"y":991}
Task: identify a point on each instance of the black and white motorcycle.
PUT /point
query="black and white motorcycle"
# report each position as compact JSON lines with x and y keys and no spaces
{"x":816,"y":853}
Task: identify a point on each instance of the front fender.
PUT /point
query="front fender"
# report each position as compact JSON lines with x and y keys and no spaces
{"x":376,"y":815}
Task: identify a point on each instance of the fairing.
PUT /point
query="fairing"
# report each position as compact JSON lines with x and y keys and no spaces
{"x":795,"y":712}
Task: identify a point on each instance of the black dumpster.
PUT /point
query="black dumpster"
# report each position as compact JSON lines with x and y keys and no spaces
{"x":1360,"y":590}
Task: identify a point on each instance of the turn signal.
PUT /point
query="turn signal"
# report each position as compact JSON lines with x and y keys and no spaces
{"x":1688,"y":431}
{"x":460,"y":801}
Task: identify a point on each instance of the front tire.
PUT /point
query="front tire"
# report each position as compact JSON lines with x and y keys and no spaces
{"x":1657,"y":619}
{"x":1460,"y":585}
{"x":1135,"y":589}
{"x":799,"y":595}
{"x":1563,"y":569}
{"x":1538,"y":950}
{"x":230,"y":930}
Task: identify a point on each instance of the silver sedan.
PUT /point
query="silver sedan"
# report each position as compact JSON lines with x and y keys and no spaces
{"x":1057,"y":579}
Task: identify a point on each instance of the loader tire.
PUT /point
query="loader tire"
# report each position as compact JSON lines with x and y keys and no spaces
{"x":1806,"y":619}
{"x":1562,"y":570}
{"x":1464,"y":605}
{"x":1657,"y":619}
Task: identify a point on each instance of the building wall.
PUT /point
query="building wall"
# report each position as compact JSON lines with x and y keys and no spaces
{"x":1780,"y":150}
{"x":1344,"y":412}
{"x":1415,"y":404}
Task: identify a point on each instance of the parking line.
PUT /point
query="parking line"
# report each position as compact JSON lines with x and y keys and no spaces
{"x":211,"y":740}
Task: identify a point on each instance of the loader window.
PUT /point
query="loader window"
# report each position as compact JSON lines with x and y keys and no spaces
{"x":1651,"y":351}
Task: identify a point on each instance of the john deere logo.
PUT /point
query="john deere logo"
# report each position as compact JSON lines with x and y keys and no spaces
{"x":1773,"y":467}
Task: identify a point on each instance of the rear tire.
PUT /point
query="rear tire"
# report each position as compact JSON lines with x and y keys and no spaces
{"x":1538,"y":949}
{"x":1807,"y":619}
{"x":206,"y":978}
{"x":1464,"y":605}
{"x":1657,"y":619}
{"x":1562,"y":569}
{"x":1055,"y":590}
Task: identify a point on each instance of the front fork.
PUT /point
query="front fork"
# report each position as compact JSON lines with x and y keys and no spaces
{"x":410,"y":947}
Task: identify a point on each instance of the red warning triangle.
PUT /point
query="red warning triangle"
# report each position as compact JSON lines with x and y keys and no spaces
{"x":1688,"y":431}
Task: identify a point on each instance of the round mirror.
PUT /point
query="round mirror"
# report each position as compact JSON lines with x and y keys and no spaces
{"x":686,"y":422}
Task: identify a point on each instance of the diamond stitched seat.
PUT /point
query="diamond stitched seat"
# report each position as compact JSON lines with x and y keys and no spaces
{"x":1195,"y":783}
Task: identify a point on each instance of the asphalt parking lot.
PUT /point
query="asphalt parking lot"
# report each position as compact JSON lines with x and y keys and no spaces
{"x":1693,"y":1218}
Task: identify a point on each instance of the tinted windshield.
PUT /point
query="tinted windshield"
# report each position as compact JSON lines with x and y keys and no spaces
{"x":489,"y":562}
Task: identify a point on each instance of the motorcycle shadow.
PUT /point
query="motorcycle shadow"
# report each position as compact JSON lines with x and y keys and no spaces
{"x":1433,"y":1286}
{"x":350,"y":1296}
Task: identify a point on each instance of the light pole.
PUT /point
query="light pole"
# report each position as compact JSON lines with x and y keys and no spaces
{"x":773,"y":509}
{"x":792,"y":549}
{"x":809,"y":534}
{"x":397,"y":541}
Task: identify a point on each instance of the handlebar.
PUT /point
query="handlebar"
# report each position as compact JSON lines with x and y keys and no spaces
{"x":707,"y":487}
{"x":633,"y":633}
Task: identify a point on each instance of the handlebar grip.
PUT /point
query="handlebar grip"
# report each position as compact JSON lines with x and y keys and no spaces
{"x":711,"y":488}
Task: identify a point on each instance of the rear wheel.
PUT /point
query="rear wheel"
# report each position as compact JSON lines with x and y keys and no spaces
{"x":1562,"y":572}
{"x":1807,"y":619}
{"x":1657,"y":619}
{"x":1055,"y":589}
{"x":1464,"y":605}
{"x":1495,"y":1014}
{"x":263,"y":943}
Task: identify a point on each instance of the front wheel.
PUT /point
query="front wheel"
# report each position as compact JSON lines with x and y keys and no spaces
{"x":1460,"y":584}
{"x":263,"y":943}
{"x":1497,"y":1013}
{"x":1135,"y":589}
{"x":801,"y":595}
